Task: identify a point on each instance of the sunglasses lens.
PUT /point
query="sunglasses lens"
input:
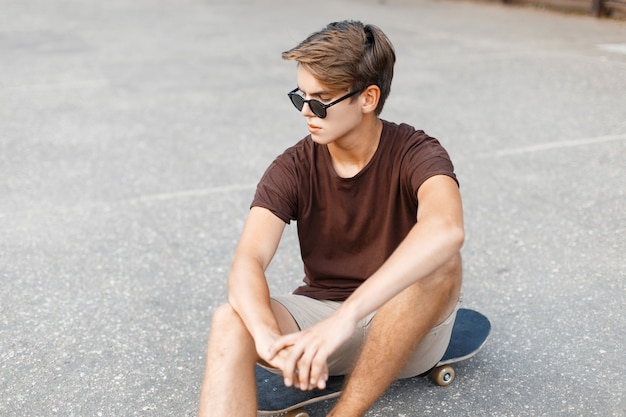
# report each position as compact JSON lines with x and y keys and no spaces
{"x":297,"y":101}
{"x":317,"y":108}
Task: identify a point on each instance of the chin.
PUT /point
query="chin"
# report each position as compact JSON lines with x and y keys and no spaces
{"x":319,"y":139}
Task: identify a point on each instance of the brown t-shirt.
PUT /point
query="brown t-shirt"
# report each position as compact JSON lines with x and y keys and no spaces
{"x":349,"y":226}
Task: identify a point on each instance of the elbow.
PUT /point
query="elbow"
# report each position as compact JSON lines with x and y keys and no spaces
{"x":232,"y":299}
{"x":455,"y":238}
{"x":458,"y":237}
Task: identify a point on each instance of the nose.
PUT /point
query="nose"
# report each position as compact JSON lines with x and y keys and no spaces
{"x":306,"y":110}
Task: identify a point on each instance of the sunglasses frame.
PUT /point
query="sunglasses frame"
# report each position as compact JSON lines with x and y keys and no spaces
{"x":322,"y":107}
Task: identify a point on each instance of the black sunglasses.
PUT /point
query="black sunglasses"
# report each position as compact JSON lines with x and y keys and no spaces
{"x":317,"y":107}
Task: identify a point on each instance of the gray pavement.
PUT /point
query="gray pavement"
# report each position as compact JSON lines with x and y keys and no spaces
{"x":132,"y":134}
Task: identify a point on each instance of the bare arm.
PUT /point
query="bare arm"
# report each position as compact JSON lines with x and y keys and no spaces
{"x":434,"y":240}
{"x":248,"y":292}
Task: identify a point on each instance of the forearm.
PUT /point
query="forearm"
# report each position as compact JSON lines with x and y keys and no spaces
{"x":426,"y":248}
{"x":248,"y":294}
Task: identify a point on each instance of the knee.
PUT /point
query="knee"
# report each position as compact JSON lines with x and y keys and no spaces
{"x":226,"y":321}
{"x":229,"y":338}
{"x":223,"y":313}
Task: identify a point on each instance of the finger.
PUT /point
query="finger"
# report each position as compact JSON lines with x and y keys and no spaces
{"x":321,"y":383}
{"x":290,"y":365}
{"x":319,"y":371}
{"x":304,"y":370}
{"x":280,"y":344}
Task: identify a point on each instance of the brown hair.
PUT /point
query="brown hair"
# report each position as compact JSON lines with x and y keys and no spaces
{"x":348,"y":55}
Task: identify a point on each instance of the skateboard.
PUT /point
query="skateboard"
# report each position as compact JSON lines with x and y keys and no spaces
{"x":469,"y":334}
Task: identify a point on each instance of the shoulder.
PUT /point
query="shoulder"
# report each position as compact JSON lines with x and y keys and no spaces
{"x":293,"y":158}
{"x":301,"y":152}
{"x":280,"y":185}
{"x":418,"y":155}
{"x":402,"y":133}
{"x":291,"y":169}
{"x":406,"y":138}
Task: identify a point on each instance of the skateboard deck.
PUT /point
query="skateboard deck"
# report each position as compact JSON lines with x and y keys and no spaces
{"x":469,"y":334}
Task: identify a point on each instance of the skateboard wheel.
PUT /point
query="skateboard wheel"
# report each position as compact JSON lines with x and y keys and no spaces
{"x":297,"y":413}
{"x":443,"y":375}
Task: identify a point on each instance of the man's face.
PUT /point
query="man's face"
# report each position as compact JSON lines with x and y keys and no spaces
{"x":341,"y":119}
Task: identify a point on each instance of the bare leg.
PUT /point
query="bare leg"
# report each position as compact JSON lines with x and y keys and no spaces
{"x":229,"y":387}
{"x":408,"y":317}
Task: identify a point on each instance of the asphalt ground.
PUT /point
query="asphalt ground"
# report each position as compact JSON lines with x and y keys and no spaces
{"x":133,"y":132}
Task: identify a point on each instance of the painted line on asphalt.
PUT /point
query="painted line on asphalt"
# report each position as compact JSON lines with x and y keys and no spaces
{"x":60,"y":85}
{"x":553,"y":145}
{"x":198,"y":192}
{"x":95,"y":205}
{"x":619,"y":48}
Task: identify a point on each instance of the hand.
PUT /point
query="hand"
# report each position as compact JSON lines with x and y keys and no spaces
{"x":279,"y":360}
{"x":303,"y":355}
{"x":264,"y":343}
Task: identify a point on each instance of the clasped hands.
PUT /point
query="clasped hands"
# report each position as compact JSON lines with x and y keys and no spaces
{"x":303,"y":356}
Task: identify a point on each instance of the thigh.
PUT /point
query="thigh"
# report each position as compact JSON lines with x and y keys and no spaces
{"x":305,"y":311}
{"x":431,"y":348}
{"x":285,"y":319}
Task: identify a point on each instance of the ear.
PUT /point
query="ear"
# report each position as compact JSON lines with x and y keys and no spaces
{"x":370,"y":96}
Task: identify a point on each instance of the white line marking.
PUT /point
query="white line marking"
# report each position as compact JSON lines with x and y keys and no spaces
{"x":188,"y":193}
{"x":613,"y":47}
{"x":61,"y":85}
{"x":552,"y":145}
{"x":92,"y":205}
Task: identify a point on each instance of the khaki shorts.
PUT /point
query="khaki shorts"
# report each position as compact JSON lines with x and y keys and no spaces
{"x":308,"y":311}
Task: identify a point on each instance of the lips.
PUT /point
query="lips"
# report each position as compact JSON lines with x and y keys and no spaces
{"x":313,"y":128}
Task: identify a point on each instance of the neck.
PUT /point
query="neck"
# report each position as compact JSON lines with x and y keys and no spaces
{"x":351,"y":154}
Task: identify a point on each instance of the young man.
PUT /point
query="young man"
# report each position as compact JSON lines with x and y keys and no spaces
{"x":380,"y":225}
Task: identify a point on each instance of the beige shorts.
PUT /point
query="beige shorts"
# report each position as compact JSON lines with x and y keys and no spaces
{"x":308,"y":311}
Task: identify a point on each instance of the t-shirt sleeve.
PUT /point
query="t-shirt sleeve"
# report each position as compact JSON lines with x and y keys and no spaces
{"x":427,"y":158}
{"x":277,"y":189}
